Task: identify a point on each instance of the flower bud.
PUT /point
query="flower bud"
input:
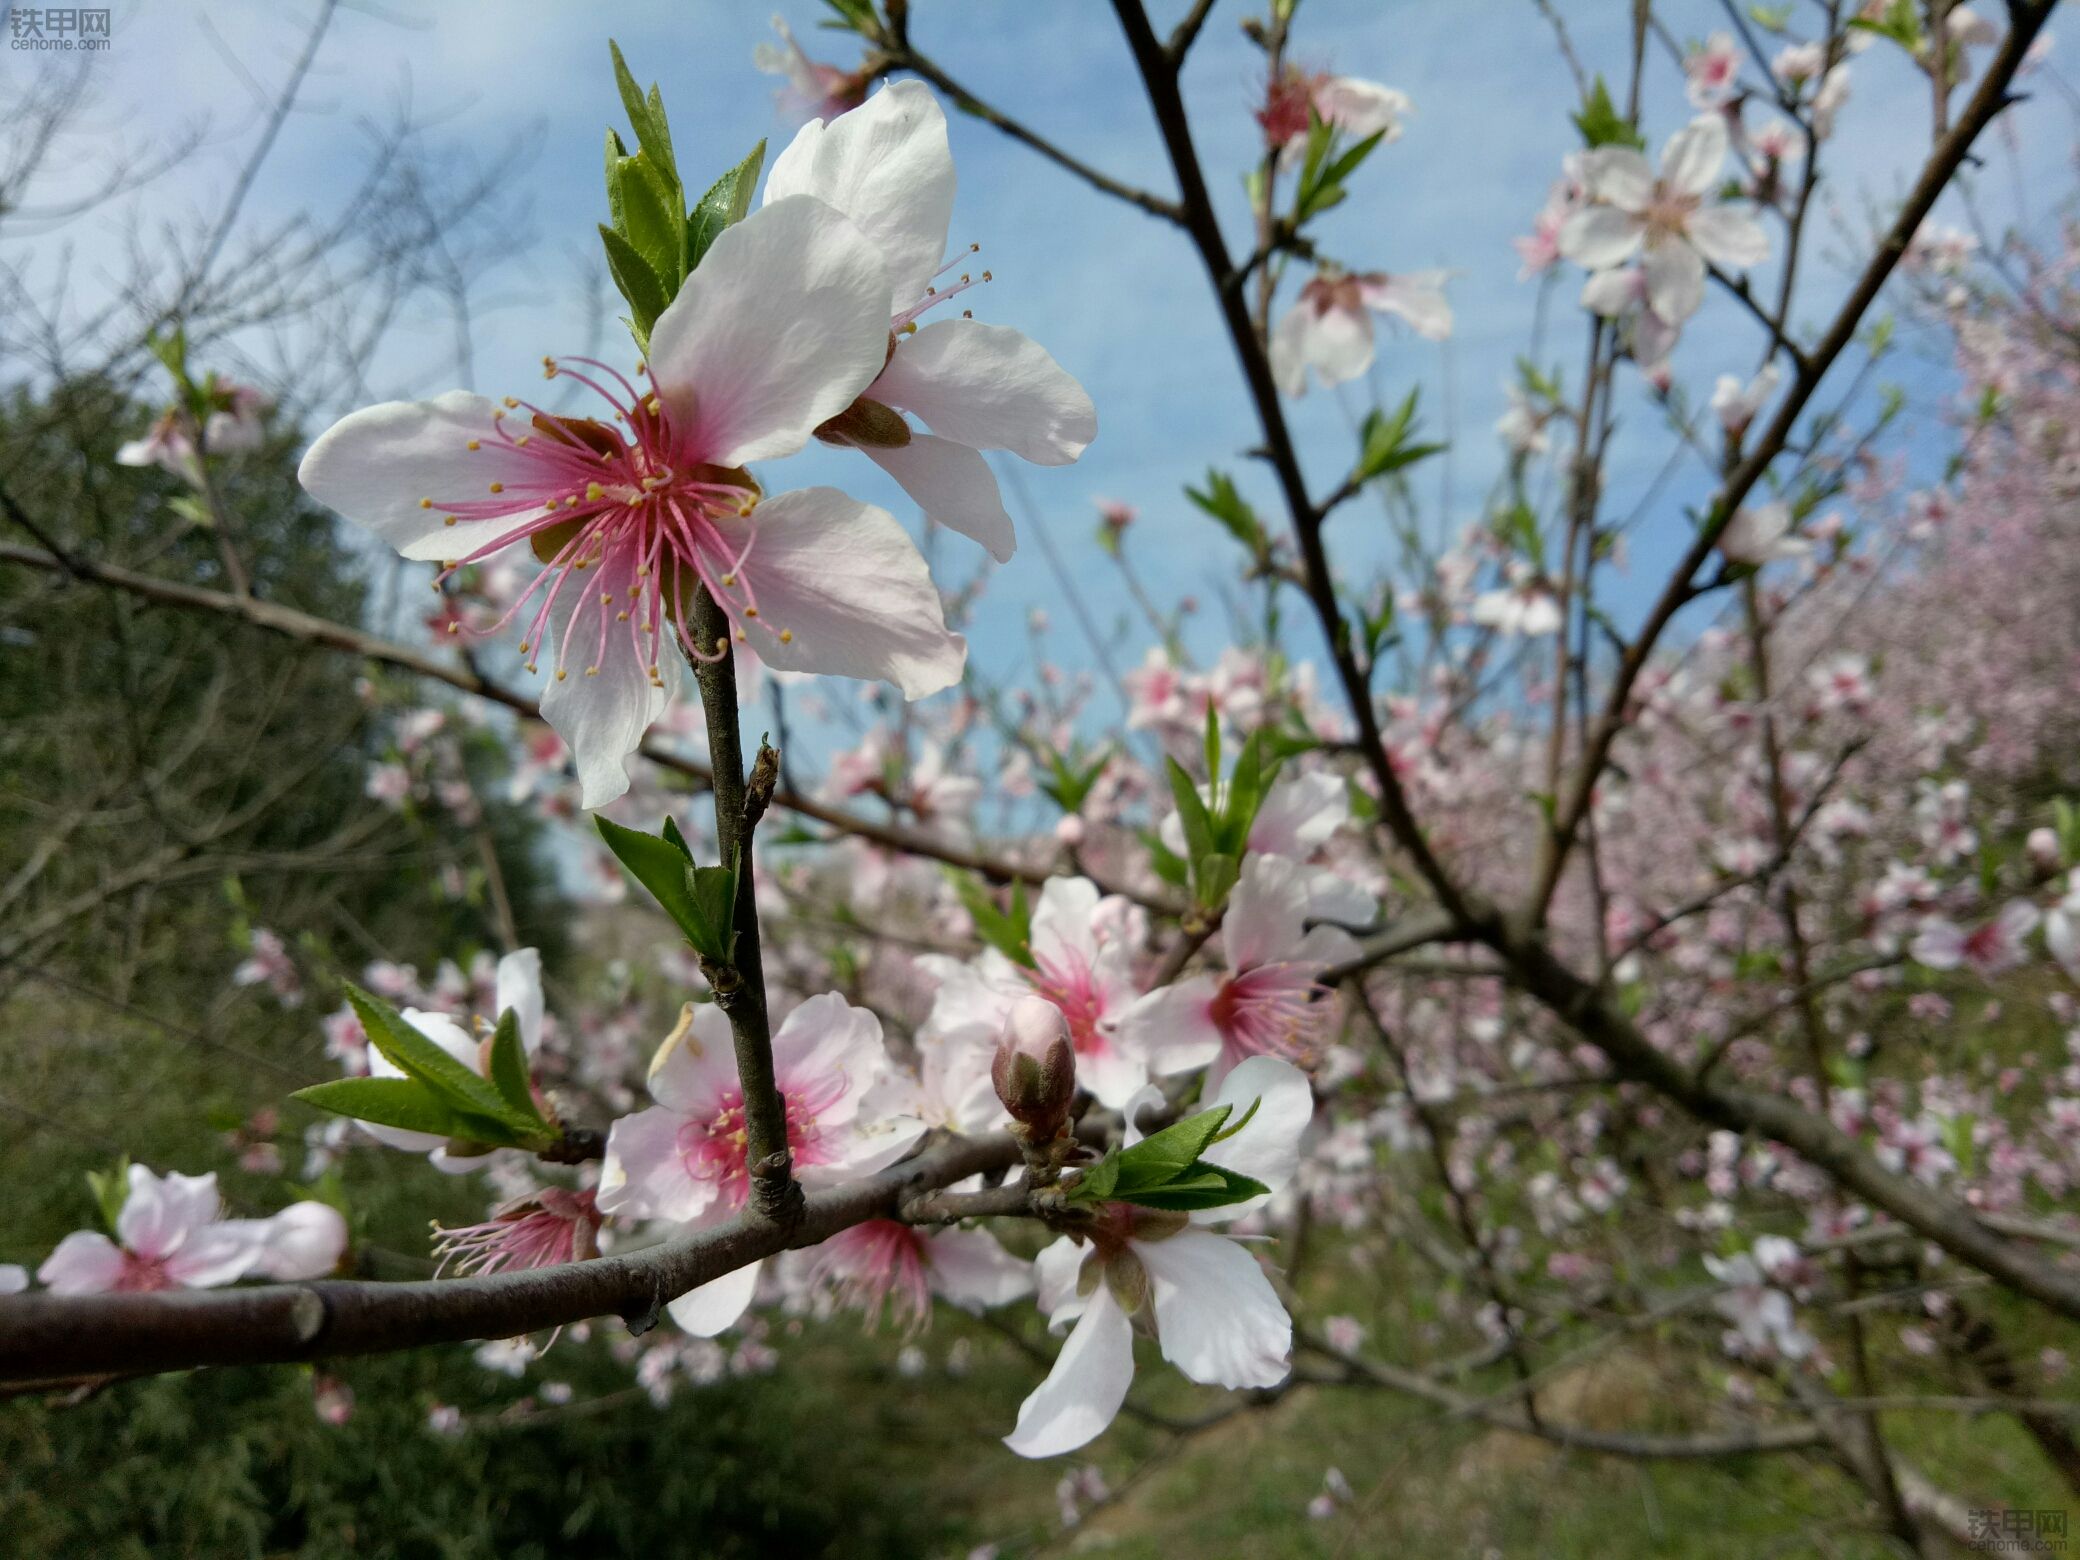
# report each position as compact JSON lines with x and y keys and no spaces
{"x":1034,"y":1069}
{"x":2043,"y":848}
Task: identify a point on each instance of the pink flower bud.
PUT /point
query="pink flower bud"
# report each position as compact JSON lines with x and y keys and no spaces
{"x":2043,"y":849}
{"x":1034,"y":1069}
{"x":1069,"y":831}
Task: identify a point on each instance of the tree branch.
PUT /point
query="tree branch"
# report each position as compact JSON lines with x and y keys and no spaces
{"x":45,"y":1337}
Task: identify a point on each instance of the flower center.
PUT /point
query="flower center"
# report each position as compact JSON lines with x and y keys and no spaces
{"x":716,"y":1147}
{"x":638,"y":513}
{"x":1069,"y":986}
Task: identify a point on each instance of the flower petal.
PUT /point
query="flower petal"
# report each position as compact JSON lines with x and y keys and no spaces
{"x":691,"y":1071}
{"x":376,"y":465}
{"x":992,"y":388}
{"x":86,"y":1262}
{"x":780,"y":329}
{"x":715,"y":1306}
{"x":1082,"y":1394}
{"x":1675,"y":280}
{"x":824,"y":1039}
{"x":1267,"y":1148}
{"x":954,"y":486}
{"x":886,"y":165}
{"x":1172,"y":1027}
{"x":1618,"y":176}
{"x":1691,"y":161}
{"x":1267,"y":912}
{"x":846,"y":584}
{"x":600,"y":698}
{"x":1217,"y":1316}
{"x":970,"y":1269}
{"x":1599,"y":237}
{"x":644,"y":1175}
{"x":162,"y":1212}
{"x":519,"y":988}
{"x":218,"y":1254}
{"x":1728,"y":235}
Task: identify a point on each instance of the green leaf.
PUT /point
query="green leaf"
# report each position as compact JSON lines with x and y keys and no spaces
{"x":645,"y":118}
{"x":1221,"y":500}
{"x":405,"y":1103}
{"x":648,"y":217}
{"x":638,"y":283}
{"x":728,"y":198}
{"x":418,"y":1057}
{"x":671,"y":836}
{"x":1163,"y":1156}
{"x":1205,"y":1186}
{"x":1384,"y":445}
{"x":660,"y":864}
{"x":509,"y":1069}
{"x":111,"y":1189}
{"x":1191,"y":813}
{"x":714,"y":892}
{"x":1602,"y":125}
{"x":1009,"y":932}
{"x":1096,"y":1183}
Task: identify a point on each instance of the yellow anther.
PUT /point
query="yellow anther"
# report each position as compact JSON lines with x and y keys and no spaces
{"x":621,"y":617}
{"x":787,"y":636}
{"x":473,"y":444}
{"x":987,"y":277}
{"x":606,"y":600}
{"x":561,"y":674}
{"x":591,"y":671}
{"x":498,"y":487}
{"x":729,"y":580}
{"x":651,"y":406}
{"x":454,"y":628}
{"x":524,"y":647}
{"x":511,"y":402}
{"x":532,"y":668}
{"x":751,"y":612}
{"x":594,"y":492}
{"x":521,"y":442}
{"x":425,"y":503}
{"x":740,"y":639}
{"x":909,"y":329}
{"x":450,"y":519}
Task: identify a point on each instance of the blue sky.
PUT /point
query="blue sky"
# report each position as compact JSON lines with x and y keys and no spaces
{"x":1116,"y":295}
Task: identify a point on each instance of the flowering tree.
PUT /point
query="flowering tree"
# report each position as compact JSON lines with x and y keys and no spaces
{"x":1620,"y":948}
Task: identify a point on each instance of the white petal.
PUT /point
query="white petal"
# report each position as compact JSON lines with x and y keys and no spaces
{"x":162,"y":1212}
{"x":1267,"y":913}
{"x":780,"y":329}
{"x":1064,"y":920}
{"x":886,"y":165}
{"x":1112,"y":1073}
{"x":1267,"y":1149}
{"x":1336,"y":343}
{"x":848,"y":586}
{"x":375,"y":465}
{"x":1082,"y":1394}
{"x":86,"y":1262}
{"x":691,"y":1072}
{"x":1172,"y":1027}
{"x":1055,"y":1272}
{"x":519,"y":988}
{"x":644,"y":1175}
{"x":1289,"y":350}
{"x":1675,"y":280}
{"x":1611,"y":293}
{"x":954,"y":486}
{"x":1217,"y":1316}
{"x":1417,"y":298}
{"x":824,"y":1038}
{"x":715,"y":1305}
{"x":602,"y":714}
{"x":970,"y":1269}
{"x":217,"y":1254}
{"x":1694,"y":154}
{"x":1599,"y":237}
{"x":1299,"y":814}
{"x":14,"y":1278}
{"x":1728,"y":235}
{"x":869,"y":1146}
{"x":1618,"y":176}
{"x":992,"y":388}
{"x":304,"y":1240}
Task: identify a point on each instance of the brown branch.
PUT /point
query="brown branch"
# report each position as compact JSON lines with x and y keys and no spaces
{"x":46,"y":1337}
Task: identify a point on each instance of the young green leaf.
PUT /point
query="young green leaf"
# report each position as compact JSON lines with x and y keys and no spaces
{"x":404,"y":1103}
{"x":660,"y":864}
{"x":726,"y":202}
{"x":1602,"y":125}
{"x":1202,"y":1186}
{"x":637,"y":282}
{"x":418,"y":1057}
{"x":509,"y":1069}
{"x":1162,"y":1156}
{"x":1191,"y":813}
